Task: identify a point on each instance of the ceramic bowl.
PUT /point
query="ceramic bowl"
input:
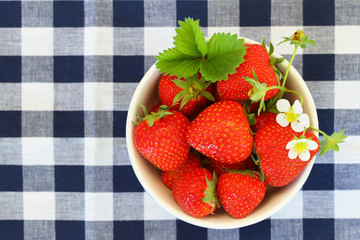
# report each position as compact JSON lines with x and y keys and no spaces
{"x":149,"y":176}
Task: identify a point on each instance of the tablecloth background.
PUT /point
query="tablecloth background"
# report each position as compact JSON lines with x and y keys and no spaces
{"x":68,"y":70}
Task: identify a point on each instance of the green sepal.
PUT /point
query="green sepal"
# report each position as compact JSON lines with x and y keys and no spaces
{"x":210,"y":193}
{"x":331,"y":142}
{"x":153,"y":116}
{"x":192,"y":89}
{"x":299,"y":39}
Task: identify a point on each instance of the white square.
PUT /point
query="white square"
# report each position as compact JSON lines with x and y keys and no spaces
{"x":277,"y":36}
{"x":37,"y":96}
{"x":39,"y":205}
{"x":98,"y":96}
{"x":99,"y":207}
{"x":158,"y":39}
{"x":37,"y":41}
{"x":344,"y":39}
{"x":152,"y":210}
{"x":349,"y":151}
{"x":37,"y":151}
{"x":293,"y":209}
{"x":347,"y":203}
{"x":344,"y":92}
{"x":98,"y":151}
{"x":98,"y":41}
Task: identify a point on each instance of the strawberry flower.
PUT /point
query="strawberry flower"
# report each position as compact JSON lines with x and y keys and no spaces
{"x":301,"y":147}
{"x":292,"y":115}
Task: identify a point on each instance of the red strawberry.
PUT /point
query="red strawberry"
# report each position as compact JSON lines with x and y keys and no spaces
{"x":240,"y":192}
{"x":161,"y":138}
{"x":192,"y":94}
{"x":195,"y":192}
{"x":263,"y":119}
{"x":170,"y":177}
{"x":237,"y":88}
{"x":271,"y":146}
{"x":220,"y":167}
{"x":222,"y":132}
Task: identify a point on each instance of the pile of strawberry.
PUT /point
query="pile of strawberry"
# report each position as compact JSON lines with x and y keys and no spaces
{"x":221,"y":132}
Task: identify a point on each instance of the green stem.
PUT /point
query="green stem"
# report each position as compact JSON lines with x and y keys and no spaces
{"x":291,"y":91}
{"x":290,"y":63}
{"x":318,"y":130}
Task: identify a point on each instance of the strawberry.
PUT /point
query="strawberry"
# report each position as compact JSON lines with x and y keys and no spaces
{"x":161,"y":138}
{"x":195,"y":192}
{"x":220,"y":167}
{"x":263,"y":119}
{"x":257,"y":59}
{"x":222,"y":132}
{"x":271,"y":145}
{"x":170,"y":177}
{"x":191,"y":95}
{"x":240,"y":192}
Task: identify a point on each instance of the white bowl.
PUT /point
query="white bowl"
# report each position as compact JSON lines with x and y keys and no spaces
{"x":149,"y":176}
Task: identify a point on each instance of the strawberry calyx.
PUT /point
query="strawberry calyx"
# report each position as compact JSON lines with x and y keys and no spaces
{"x":192,"y":89}
{"x":153,"y":116}
{"x":210,"y":193}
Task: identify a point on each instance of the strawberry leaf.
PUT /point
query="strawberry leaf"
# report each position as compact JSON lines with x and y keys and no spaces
{"x":225,"y":53}
{"x":174,"y":62}
{"x":189,"y":39}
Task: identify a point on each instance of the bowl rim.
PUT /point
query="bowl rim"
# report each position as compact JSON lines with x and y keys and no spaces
{"x":201,"y":222}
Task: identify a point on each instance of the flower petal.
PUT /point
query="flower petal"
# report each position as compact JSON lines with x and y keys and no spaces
{"x":297,"y":107}
{"x":304,"y":156}
{"x":283,"y":105}
{"x":282,"y":120}
{"x":311,"y":145}
{"x":304,"y":120}
{"x":291,"y":144}
{"x":297,"y":126}
{"x":292,"y":154}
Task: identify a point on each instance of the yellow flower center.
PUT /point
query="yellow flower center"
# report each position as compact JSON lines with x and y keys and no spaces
{"x":291,"y":116}
{"x":300,"y":147}
{"x":298,"y":35}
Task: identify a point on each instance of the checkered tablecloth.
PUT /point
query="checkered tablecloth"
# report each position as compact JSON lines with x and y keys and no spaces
{"x":68,"y":70}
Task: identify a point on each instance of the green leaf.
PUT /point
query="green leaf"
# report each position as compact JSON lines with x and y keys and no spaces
{"x":225,"y":53}
{"x":189,"y":39}
{"x":173,"y":62}
{"x":331,"y":142}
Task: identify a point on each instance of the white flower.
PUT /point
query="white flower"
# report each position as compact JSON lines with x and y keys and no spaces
{"x":292,"y":114}
{"x":301,"y":147}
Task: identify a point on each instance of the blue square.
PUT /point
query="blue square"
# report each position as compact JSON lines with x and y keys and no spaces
{"x":10,"y":68}
{"x":125,"y":180}
{"x":11,"y":178}
{"x":129,"y":230}
{"x":68,"y":69}
{"x":10,"y":124}
{"x":185,"y":231}
{"x":69,"y":179}
{"x":70,"y":230}
{"x":255,"y":13}
{"x":319,"y":12}
{"x":128,"y":68}
{"x":10,"y":13}
{"x":318,"y":229}
{"x":319,"y":67}
{"x":326,"y":120}
{"x":119,"y":122}
{"x":12,"y":229}
{"x":69,"y":14}
{"x":321,"y":177}
{"x":193,"y":9}
{"x":68,"y":124}
{"x":261,"y":230}
{"x":128,"y":13}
